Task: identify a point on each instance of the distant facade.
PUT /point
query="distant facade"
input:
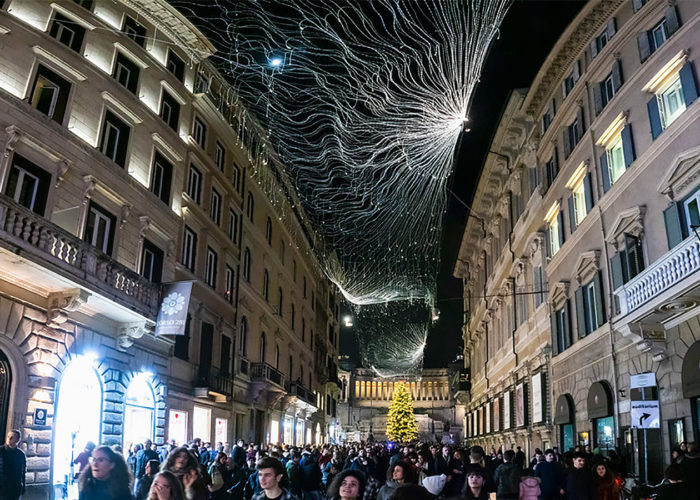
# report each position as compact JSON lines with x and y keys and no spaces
{"x":365,"y":401}
{"x":123,"y":167}
{"x":579,"y":258}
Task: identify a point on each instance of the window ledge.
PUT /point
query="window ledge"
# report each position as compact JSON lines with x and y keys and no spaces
{"x":122,"y":109}
{"x":58,"y":63}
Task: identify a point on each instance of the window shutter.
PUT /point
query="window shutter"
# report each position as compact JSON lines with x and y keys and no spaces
{"x":588,"y":192}
{"x":616,"y":271}
{"x":598,"y":292}
{"x":654,"y":117}
{"x":548,"y":240}
{"x":597,"y":98}
{"x":672,"y":22}
{"x":637,"y":4}
{"x":690,"y":90}
{"x":537,"y":275}
{"x":553,"y":106}
{"x":594,"y":48}
{"x":567,"y":323}
{"x":533,"y":179}
{"x":605,"y":172}
{"x":565,"y":141}
{"x":644,"y":46}
{"x":612,"y":28}
{"x":572,"y":214}
{"x":627,"y":145}
{"x":560,"y":217}
{"x":555,"y":344}
{"x":580,"y":313}
{"x":674,"y":226}
{"x":580,"y":123}
{"x":563,"y":89}
{"x":576,"y":71}
{"x":617,"y":74}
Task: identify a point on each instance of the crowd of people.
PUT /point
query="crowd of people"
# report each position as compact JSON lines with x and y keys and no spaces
{"x":372,"y":471}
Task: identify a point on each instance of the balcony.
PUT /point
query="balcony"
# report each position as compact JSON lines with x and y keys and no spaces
{"x":212,"y":383}
{"x":266,"y":373}
{"x":42,"y":254}
{"x":301,"y":392}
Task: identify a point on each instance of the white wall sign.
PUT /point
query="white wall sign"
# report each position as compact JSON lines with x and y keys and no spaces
{"x":506,"y":410}
{"x":488,"y":418}
{"x":644,"y":414}
{"x":643,"y":380}
{"x":537,"y":414}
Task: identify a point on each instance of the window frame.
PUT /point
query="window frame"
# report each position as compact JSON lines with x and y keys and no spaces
{"x":178,"y":69}
{"x":189,"y":249}
{"x":120,"y":151}
{"x":194,"y":184}
{"x":232,"y":228}
{"x":215,"y":203}
{"x":60,"y":99}
{"x":122,"y":61}
{"x":173,"y":118}
{"x":211,"y":267}
{"x":60,"y":22}
{"x":134,"y":30}
{"x":42,"y":183}
{"x":161,"y":189}
{"x":98,"y":213}
{"x":220,"y":156}
{"x":662,"y":96}
{"x":229,"y":283}
{"x":156,"y":272}
{"x":199,"y":131}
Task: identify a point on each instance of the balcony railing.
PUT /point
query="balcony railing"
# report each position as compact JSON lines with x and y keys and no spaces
{"x":263,"y":371}
{"x":302,"y":393}
{"x":671,"y":268}
{"x":73,"y":258}
{"x":220,"y":383}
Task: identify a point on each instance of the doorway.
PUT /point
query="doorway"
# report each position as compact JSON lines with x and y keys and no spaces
{"x":5,"y":386}
{"x":139,"y":411}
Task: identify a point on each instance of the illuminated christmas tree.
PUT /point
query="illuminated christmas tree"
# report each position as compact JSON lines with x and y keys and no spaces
{"x":401,"y":424}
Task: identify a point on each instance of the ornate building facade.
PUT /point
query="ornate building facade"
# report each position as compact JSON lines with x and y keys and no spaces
{"x":124,"y":166}
{"x":579,"y":257}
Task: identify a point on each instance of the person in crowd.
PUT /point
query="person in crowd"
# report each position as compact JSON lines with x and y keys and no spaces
{"x":165,"y":486}
{"x":83,"y":458}
{"x":411,"y":492}
{"x":606,"y":486}
{"x":238,"y":478}
{"x":107,"y":478}
{"x":676,"y":488}
{"x":329,"y":472}
{"x":270,"y":474}
{"x":144,"y":455}
{"x":520,"y":458}
{"x":347,"y":485}
{"x":131,"y":457}
{"x":13,"y":467}
{"x":478,"y":461}
{"x":529,"y":488}
{"x":435,"y":484}
{"x":187,"y":470}
{"x":539,"y":457}
{"x":579,"y":480}
{"x":220,"y":478}
{"x":551,"y":476}
{"x":457,"y":468}
{"x":475,"y":486}
{"x":143,"y":488}
{"x":507,"y":477}
{"x":293,"y":473}
{"x":310,"y":476}
{"x":239,"y":453}
{"x":691,"y":466}
{"x":400,"y":473}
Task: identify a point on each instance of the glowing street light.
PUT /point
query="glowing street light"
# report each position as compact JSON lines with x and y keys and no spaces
{"x":276,"y":62}
{"x":348,"y":321}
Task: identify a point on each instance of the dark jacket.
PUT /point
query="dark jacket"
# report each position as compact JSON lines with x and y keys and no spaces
{"x":13,"y":468}
{"x":142,"y":458}
{"x":309,"y":474}
{"x":143,"y":487}
{"x":507,"y":479}
{"x":580,"y":484}
{"x":99,"y":490}
{"x":552,"y":477}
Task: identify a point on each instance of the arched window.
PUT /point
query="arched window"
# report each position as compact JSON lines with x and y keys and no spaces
{"x":266,"y":285}
{"x":279,"y":302}
{"x":246,"y":264}
{"x":268,"y":231}
{"x":263,"y":347}
{"x":244,"y":337}
{"x":277,"y":357}
{"x":293,"y":316}
{"x":250,"y":206}
{"x":139,"y":410}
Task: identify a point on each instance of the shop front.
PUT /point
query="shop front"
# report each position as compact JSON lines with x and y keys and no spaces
{"x":564,"y":417}
{"x":600,"y":413}
{"x":690,"y":381}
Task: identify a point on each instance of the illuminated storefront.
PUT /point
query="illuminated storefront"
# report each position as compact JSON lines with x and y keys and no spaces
{"x":139,"y":411}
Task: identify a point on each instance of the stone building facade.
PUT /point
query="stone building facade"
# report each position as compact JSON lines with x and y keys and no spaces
{"x":579,"y":257}
{"x":123,"y":166}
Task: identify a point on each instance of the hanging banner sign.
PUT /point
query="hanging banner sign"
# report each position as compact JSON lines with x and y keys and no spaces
{"x":172,"y":315}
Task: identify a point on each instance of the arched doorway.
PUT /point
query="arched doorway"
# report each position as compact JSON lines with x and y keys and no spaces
{"x":139,"y":411}
{"x":5,"y":386}
{"x":565,"y":418}
{"x":77,"y":420}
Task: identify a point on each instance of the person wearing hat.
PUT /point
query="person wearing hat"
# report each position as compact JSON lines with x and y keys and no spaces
{"x":435,"y":484}
{"x":475,"y":485}
{"x":580,"y":483}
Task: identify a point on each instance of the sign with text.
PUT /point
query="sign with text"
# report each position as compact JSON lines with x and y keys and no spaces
{"x":537,"y":413}
{"x":644,"y":414}
{"x":643,"y":380}
{"x":172,"y":315}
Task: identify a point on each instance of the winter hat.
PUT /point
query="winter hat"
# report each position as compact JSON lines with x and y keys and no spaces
{"x":435,"y":484}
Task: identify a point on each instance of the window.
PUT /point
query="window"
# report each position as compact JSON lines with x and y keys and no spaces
{"x":304,"y":286}
{"x":126,"y":72}
{"x":669,"y":101}
{"x":170,"y":110}
{"x":266,"y":285}
{"x":539,"y":290}
{"x":175,"y":65}
{"x":619,"y":155}
{"x":215,"y":207}
{"x":573,"y":133}
{"x":649,"y":41}
{"x":194,"y":184}
{"x":134,"y":30}
{"x":602,"y":40}
{"x":246,"y":264}
{"x":199,"y":132}
{"x":189,"y":249}
{"x":604,"y":91}
{"x":86,"y":4}
{"x":263,"y":347}
{"x":225,"y":356}
{"x":628,"y":262}
{"x":250,"y":206}
{"x":50,"y":94}
{"x":115,"y":139}
{"x":151,"y":262}
{"x":236,"y":178}
{"x":280,"y":303}
{"x":636,"y":5}
{"x":99,"y":229}
{"x":244,"y":337}
{"x":211,"y":268}
{"x":616,"y":160}
{"x":220,"y":157}
{"x":182,"y":342}
{"x":229,"y":277}
{"x":581,"y":199}
{"x":161,"y":177}
{"x":268,"y":231}
{"x":589,"y":307}
{"x":28,"y":184}
{"x":561,"y":328}
{"x":570,"y":81}
{"x":282,"y":251}
{"x":293,"y":316}
{"x":294,"y":270}
{"x":552,"y":168}
{"x":303,"y":330}
{"x":232,"y":226}
{"x":555,"y":235}
{"x":67,"y":31}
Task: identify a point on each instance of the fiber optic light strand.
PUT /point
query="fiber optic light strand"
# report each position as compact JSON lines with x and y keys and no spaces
{"x":363,"y":103}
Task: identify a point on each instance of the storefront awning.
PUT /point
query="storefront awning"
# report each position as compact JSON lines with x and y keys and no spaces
{"x":564,"y":411}
{"x":599,"y":400}
{"x":690,"y":372}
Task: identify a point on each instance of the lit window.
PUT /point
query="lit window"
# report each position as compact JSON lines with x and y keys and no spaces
{"x":616,"y":160}
{"x":554,"y":232}
{"x":28,"y":184}
{"x":99,"y":229}
{"x":579,"y":200}
{"x":671,"y":102}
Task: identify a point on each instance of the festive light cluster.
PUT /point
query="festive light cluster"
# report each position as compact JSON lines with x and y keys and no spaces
{"x":401,"y":424}
{"x":363,"y":103}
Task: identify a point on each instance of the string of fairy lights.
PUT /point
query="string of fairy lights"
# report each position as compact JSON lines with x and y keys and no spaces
{"x":363,"y":102}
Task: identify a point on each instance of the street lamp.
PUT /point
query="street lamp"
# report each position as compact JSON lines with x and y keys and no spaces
{"x":347,"y":319}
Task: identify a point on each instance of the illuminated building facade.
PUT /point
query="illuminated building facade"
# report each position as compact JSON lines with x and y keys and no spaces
{"x":579,"y":257}
{"x":122,"y":168}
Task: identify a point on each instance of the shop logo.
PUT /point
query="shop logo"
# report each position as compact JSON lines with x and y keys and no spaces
{"x":173,"y":304}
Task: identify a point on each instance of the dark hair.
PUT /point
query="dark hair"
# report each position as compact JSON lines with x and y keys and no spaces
{"x":154,"y":465}
{"x":509,"y":455}
{"x":169,"y":463}
{"x":410,"y":492}
{"x":548,"y":451}
{"x":219,"y":456}
{"x":408,"y":475}
{"x":176,"y":492}
{"x":334,"y":488}
{"x":674,"y":472}
{"x":271,"y":463}
{"x":119,"y":481}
